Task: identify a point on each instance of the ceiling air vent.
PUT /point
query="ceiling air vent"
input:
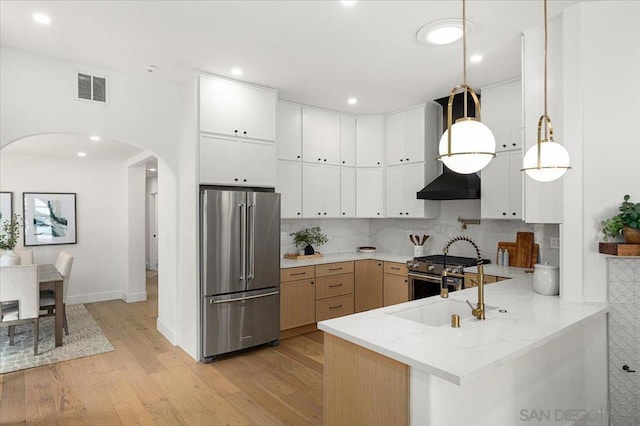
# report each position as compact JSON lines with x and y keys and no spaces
{"x":92,"y":88}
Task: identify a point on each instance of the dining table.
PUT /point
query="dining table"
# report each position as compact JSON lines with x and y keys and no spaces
{"x":50,"y":279}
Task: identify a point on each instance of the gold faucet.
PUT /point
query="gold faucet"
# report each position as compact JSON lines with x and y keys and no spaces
{"x":478,"y":311}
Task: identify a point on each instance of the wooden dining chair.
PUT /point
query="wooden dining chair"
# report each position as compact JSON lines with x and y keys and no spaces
{"x":19,"y":284}
{"x":48,"y":297}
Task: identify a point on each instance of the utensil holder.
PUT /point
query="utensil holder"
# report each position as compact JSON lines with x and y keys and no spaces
{"x":418,"y":251}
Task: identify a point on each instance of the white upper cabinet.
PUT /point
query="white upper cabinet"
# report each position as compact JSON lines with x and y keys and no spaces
{"x":321,"y":189}
{"x":320,"y":136}
{"x":236,"y":162}
{"x":370,"y":192}
{"x":370,"y":138}
{"x":236,"y":109}
{"x":501,"y":196}
{"x":403,"y":182}
{"x":347,"y":192}
{"x":289,"y":185}
{"x":501,"y":111}
{"x":289,"y":131}
{"x":347,"y":140}
{"x":406,"y":136}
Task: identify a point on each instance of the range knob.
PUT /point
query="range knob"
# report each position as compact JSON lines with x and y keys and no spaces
{"x":430,"y":268}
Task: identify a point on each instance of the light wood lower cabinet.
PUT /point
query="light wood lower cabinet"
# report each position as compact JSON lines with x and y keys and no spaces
{"x":334,"y":293}
{"x":297,"y":297}
{"x":368,"y":285}
{"x":396,"y":283}
{"x":471,"y":279}
{"x":336,"y":285}
{"x":334,"y":307}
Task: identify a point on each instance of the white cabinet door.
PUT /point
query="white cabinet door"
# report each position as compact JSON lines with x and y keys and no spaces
{"x":403,"y":182}
{"x":289,"y":185}
{"x":502,"y":187}
{"x":236,"y":162}
{"x":257,"y":163}
{"x":320,"y":191}
{"x":320,"y":136}
{"x":396,"y":138}
{"x":257,"y":113}
{"x":413,"y":182}
{"x":370,"y":137}
{"x":502,"y":113}
{"x":347,"y":192}
{"x":347,"y":140}
{"x":515,"y":180}
{"x":235,"y":109}
{"x":289,"y":131}
{"x":415,"y":135}
{"x":370,"y":192}
{"x":395,"y":191}
{"x":219,"y":105}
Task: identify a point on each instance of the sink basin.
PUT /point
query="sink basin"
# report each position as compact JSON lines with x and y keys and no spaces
{"x":437,"y":314}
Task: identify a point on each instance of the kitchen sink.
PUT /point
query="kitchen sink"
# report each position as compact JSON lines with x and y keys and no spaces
{"x":439,"y":313}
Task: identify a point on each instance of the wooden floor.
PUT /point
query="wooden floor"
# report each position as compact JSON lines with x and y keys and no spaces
{"x":146,"y":380}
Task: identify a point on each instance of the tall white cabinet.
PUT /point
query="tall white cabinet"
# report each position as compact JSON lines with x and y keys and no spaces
{"x":237,"y":131}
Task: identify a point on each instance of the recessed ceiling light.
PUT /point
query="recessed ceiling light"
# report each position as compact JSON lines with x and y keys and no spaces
{"x":95,"y":138}
{"x":41,"y":18}
{"x":348,"y":3}
{"x":152,"y":170}
{"x":236,"y":71}
{"x":82,"y":154}
{"x":352,"y":101}
{"x":475,"y":58}
{"x":443,"y":31}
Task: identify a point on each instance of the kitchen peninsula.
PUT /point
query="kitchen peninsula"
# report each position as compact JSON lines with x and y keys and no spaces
{"x":533,"y":352}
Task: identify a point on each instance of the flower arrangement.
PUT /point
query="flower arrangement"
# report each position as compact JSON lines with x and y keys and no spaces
{"x":308,"y":237}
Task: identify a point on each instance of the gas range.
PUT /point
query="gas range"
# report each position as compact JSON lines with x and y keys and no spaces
{"x":434,"y":264}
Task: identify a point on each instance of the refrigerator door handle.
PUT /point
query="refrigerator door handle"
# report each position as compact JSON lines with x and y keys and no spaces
{"x":240,"y":299}
{"x":251,"y":213}
{"x":243,"y":241}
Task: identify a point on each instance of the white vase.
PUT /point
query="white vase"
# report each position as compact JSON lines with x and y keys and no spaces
{"x":545,"y":279}
{"x":10,"y":258}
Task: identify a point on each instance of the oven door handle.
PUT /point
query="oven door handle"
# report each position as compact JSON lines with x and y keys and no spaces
{"x":430,"y":278}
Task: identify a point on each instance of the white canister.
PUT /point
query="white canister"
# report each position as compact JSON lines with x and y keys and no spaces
{"x":418,"y":251}
{"x":545,"y":279}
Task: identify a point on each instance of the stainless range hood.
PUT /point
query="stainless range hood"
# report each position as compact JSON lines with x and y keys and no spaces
{"x":451,"y":185}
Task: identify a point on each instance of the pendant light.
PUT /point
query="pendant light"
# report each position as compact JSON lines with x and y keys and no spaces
{"x":468,"y":145}
{"x":547,"y":160}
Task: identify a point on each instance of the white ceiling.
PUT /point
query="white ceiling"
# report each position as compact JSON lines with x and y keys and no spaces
{"x":314,"y":52}
{"x":67,"y":145}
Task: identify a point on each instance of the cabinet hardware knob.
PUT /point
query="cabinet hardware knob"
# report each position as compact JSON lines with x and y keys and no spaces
{"x":513,"y":144}
{"x":325,"y":213}
{"x":325,"y":159}
{"x":514,"y":213}
{"x":400,"y":213}
{"x":406,"y":213}
{"x":378,"y":213}
{"x":504,"y":145}
{"x":343,"y":213}
{"x":319,"y":159}
{"x":236,"y":179}
{"x":298,"y":156}
{"x":235,"y":131}
{"x":379,"y":264}
{"x":319,"y":213}
{"x":407,"y":159}
{"x":378,"y":162}
{"x":311,"y":282}
{"x":343,"y":162}
{"x":401,"y":160}
{"x":504,"y":213}
{"x":244,"y":133}
{"x":244,"y":180}
{"x":298,"y":213}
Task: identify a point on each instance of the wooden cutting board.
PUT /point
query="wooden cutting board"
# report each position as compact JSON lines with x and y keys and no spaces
{"x":524,"y":249}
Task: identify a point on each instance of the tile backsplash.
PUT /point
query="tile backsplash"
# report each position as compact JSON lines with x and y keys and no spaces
{"x":390,"y":235}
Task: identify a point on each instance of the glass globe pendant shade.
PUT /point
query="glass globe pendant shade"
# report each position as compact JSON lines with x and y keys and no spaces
{"x":473,"y":146}
{"x":554,"y":161}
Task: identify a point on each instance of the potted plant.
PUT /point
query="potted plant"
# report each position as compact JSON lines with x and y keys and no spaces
{"x":627,"y":222}
{"x":9,"y":234}
{"x":307,"y":238}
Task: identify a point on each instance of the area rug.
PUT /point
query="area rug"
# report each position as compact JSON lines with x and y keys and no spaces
{"x":85,"y":338}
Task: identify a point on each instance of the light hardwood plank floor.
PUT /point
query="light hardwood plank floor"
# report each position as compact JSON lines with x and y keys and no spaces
{"x":146,"y":380}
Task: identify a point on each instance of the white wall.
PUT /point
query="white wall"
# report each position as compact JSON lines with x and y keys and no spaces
{"x":39,"y":97}
{"x":101,"y":207}
{"x":601,"y":69}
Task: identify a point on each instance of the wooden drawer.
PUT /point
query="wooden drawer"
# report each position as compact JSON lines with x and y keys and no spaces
{"x":334,"y":269}
{"x":395,"y":268}
{"x":294,"y":274}
{"x":335,"y":285}
{"x":334,"y":307}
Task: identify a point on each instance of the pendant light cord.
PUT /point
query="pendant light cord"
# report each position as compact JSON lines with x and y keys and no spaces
{"x":546,"y":114}
{"x":464,"y":54}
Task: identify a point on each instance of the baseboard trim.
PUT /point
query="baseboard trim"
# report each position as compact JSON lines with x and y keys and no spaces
{"x":167,"y":332}
{"x":134,"y":297}
{"x":93,"y":297}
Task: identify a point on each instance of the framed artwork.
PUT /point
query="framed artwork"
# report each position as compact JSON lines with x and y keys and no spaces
{"x":6,"y":206}
{"x":49,"y":218}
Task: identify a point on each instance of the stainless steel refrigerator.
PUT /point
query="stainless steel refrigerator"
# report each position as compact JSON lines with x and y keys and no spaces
{"x":240,"y":268}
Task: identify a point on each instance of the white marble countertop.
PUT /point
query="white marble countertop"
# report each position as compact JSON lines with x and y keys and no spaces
{"x":344,"y":257}
{"x":460,"y":354}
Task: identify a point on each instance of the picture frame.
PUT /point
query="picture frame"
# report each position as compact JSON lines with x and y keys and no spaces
{"x":49,"y":218}
{"x":6,"y":206}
